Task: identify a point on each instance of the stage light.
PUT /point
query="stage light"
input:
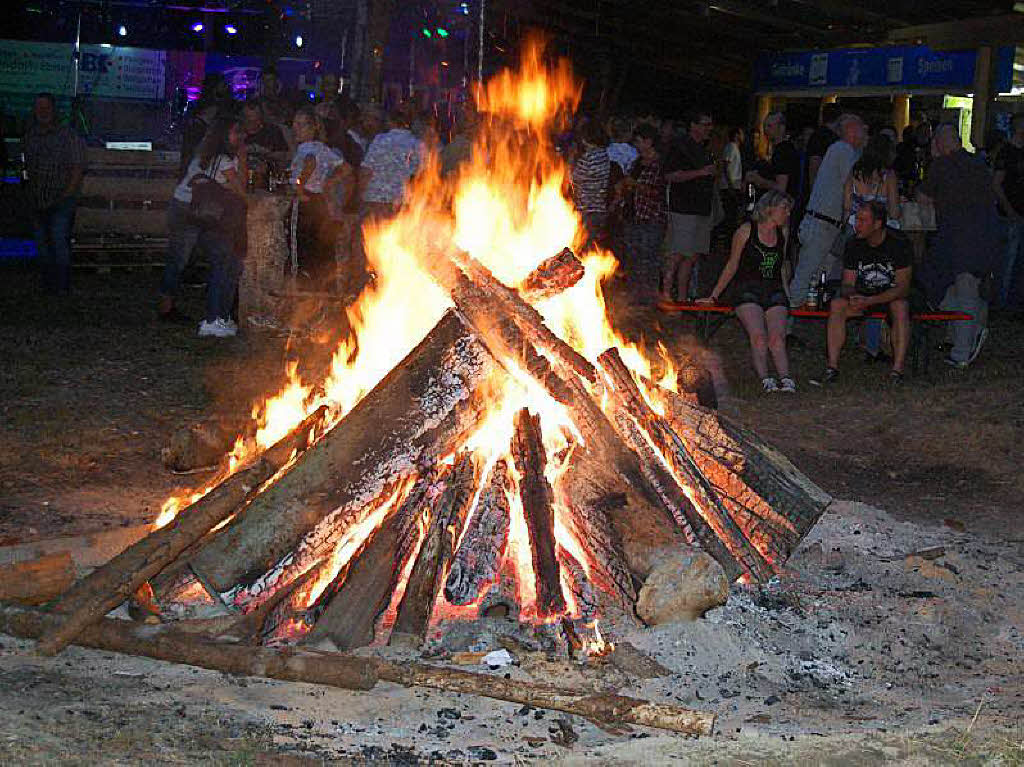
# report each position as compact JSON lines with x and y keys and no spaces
{"x":426,"y":32}
{"x":122,"y":30}
{"x":442,"y":32}
{"x":231,"y":29}
{"x":298,"y":41}
{"x":197,"y":27}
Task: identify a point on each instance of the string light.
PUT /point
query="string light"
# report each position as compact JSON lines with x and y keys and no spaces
{"x":197,"y":27}
{"x":298,"y":41}
{"x":122,"y":30}
{"x":231,"y":29}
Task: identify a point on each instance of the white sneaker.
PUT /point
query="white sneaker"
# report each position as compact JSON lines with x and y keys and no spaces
{"x":769,"y":385}
{"x":233,"y":325}
{"x":218,"y":328}
{"x":787,"y":385}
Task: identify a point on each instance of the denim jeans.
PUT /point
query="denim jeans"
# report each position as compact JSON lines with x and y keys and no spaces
{"x":964,"y":296}
{"x":53,"y":227}
{"x":182,"y":237}
{"x":643,"y":259}
{"x":1011,"y":289}
{"x":226,"y":261}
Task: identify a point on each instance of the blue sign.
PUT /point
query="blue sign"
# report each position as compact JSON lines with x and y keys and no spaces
{"x":894,"y":67}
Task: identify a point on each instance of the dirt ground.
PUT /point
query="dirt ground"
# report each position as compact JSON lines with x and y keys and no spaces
{"x":93,"y":387}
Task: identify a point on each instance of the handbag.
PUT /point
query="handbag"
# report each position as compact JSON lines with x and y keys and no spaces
{"x":211,"y":202}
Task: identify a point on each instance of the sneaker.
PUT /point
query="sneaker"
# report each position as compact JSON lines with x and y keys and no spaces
{"x":232,"y":324}
{"x":787,"y":385}
{"x":979,"y":341}
{"x":895,"y":377}
{"x":769,"y":385}
{"x":217,"y":328}
{"x":830,"y":376}
{"x":957,"y":365}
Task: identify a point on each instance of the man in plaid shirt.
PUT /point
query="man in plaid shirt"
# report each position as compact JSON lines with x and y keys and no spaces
{"x":55,"y":163}
{"x":645,"y":227}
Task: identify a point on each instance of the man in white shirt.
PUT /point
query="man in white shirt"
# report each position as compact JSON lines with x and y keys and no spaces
{"x":392,"y":158}
{"x":821,"y":222}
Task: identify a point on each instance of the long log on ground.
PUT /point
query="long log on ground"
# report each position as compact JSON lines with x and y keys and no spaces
{"x":535,"y":493}
{"x":36,"y":581}
{"x":107,"y":587}
{"x":604,"y":708}
{"x":478,"y":560}
{"x":703,"y":497}
{"x":350,"y":672}
{"x":164,"y":642}
{"x":410,"y":418}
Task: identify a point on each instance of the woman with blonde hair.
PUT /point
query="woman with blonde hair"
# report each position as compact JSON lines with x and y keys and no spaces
{"x":311,"y":167}
{"x":753,"y":275}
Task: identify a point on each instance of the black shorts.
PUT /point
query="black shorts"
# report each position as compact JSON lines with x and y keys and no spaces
{"x":764,"y":294}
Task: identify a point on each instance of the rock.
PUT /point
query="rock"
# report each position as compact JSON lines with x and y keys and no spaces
{"x":482,"y":753}
{"x":683,"y":584}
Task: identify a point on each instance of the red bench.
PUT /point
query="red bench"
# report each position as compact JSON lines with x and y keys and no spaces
{"x":710,"y":317}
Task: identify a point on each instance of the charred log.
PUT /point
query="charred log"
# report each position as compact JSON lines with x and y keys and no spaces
{"x":535,"y":493}
{"x":446,"y":511}
{"x":483,"y":545}
{"x":551,"y":277}
{"x":347,"y":611}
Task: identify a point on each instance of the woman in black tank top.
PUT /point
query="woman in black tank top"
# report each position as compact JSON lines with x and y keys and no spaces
{"x":753,"y":277}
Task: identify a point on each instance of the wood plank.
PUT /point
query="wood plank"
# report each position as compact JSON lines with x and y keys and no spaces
{"x":133,"y":222}
{"x":99,"y":157}
{"x":125,"y":188}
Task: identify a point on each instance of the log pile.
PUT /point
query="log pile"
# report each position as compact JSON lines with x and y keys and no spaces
{"x":385,"y":517}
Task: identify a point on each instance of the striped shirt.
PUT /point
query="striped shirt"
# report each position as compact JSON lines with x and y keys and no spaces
{"x":590,"y":181}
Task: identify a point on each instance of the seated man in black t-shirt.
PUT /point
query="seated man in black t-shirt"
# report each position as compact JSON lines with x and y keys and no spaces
{"x":876,"y":277}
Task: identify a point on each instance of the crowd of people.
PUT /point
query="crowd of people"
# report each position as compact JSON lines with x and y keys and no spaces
{"x":815,"y":215}
{"x":816,"y":220}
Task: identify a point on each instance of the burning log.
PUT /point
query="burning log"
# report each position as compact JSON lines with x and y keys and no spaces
{"x":535,"y":493}
{"x":363,"y":589}
{"x":702,"y":499}
{"x":551,"y":277}
{"x":483,"y":544}
{"x":750,"y":473}
{"x":37,"y":580}
{"x":414,"y":611}
{"x":107,"y":587}
{"x":415,"y":413}
{"x":351,"y":672}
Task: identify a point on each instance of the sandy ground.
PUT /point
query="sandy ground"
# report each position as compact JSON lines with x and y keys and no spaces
{"x":859,"y":654}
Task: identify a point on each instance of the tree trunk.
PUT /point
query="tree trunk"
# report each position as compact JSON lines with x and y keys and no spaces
{"x":416,"y":413}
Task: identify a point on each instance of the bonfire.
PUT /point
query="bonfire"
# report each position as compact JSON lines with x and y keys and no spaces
{"x":485,"y":444}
